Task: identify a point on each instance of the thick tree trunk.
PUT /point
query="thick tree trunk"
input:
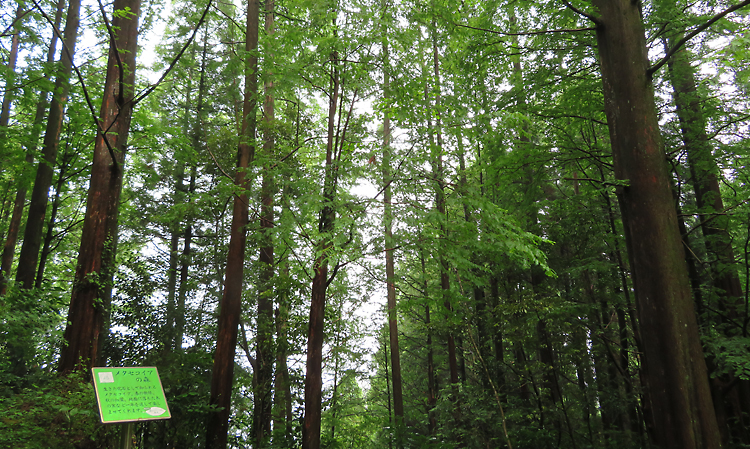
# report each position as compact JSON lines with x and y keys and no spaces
{"x":231,"y":302}
{"x":674,"y":368}
{"x":314,"y":374}
{"x":92,"y":287}
{"x":32,"y":236}
{"x":264,"y":354}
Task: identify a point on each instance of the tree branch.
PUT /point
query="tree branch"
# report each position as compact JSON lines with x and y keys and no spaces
{"x":83,"y":84}
{"x":526,"y":33}
{"x":113,"y":47}
{"x":650,"y":72}
{"x":151,"y":88}
{"x":597,"y":21}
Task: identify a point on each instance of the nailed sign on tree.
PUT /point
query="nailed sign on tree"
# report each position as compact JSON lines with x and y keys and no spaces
{"x":129,"y":394}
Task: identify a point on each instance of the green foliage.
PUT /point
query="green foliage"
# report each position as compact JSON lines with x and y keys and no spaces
{"x":58,"y":412}
{"x":30,"y":335}
{"x":541,"y":304}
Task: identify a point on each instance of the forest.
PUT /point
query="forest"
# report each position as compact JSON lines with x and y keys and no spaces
{"x":378,"y":223}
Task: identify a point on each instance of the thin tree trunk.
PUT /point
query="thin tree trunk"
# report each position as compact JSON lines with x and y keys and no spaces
{"x":705,"y":177}
{"x":179,"y":323}
{"x":497,"y":338}
{"x":388,"y":388}
{"x":436,"y":141}
{"x":32,"y":236}
{"x":56,"y":200}
{"x":178,"y":197}
{"x":714,"y":223}
{"x":14,"y":226}
{"x":11,"y":69}
{"x":314,"y":374}
{"x":398,"y":399}
{"x":174,"y":244}
{"x":432,"y":387}
{"x":92,"y":287}
{"x":231,"y":302}
{"x":282,"y":419}
{"x":673,"y":366}
{"x":264,"y":350}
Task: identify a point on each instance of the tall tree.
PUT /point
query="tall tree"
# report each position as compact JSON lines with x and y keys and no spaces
{"x":264,"y":354}
{"x":11,"y":68}
{"x":92,"y":288}
{"x":19,"y":204}
{"x":704,"y":173}
{"x":395,"y":352}
{"x":32,"y":236}
{"x":674,"y":370}
{"x":231,"y":301}
{"x":326,"y":223}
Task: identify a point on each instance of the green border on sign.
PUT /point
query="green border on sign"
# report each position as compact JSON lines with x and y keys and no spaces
{"x":130,"y":394}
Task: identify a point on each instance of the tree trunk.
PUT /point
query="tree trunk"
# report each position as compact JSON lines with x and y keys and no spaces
{"x":714,"y":223}
{"x":231,"y":301}
{"x":179,"y":323}
{"x":92,"y":287}
{"x":282,"y":415}
{"x":436,"y":142}
{"x":32,"y":236}
{"x":673,"y":367}
{"x":14,"y":226}
{"x":10,"y":90}
{"x":432,"y":386}
{"x":65,"y":164}
{"x":705,"y":177}
{"x":314,"y":374}
{"x":398,"y":399}
{"x":11,"y":69}
{"x":264,"y":350}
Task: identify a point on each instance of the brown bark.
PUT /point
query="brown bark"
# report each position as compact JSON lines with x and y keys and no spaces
{"x":674,"y":370}
{"x":32,"y":236}
{"x":230,"y":306}
{"x":264,"y":354}
{"x":497,"y":337}
{"x":432,"y":387}
{"x":14,"y":226}
{"x":705,"y":177}
{"x":436,"y":140}
{"x":714,"y":223}
{"x":62,"y":178}
{"x":96,"y":258}
{"x":186,"y":259}
{"x":178,"y":197}
{"x":314,"y":375}
{"x":11,"y":68}
{"x":282,"y":415}
{"x":398,"y":399}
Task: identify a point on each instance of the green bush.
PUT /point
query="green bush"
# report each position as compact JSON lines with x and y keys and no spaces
{"x":59,"y":412}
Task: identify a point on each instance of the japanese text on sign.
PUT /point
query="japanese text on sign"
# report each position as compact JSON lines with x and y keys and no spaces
{"x":129,"y":394}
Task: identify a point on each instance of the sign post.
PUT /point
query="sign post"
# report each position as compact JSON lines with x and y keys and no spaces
{"x":128,"y":395}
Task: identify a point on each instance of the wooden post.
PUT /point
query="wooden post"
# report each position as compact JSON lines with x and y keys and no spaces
{"x":126,"y":435}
